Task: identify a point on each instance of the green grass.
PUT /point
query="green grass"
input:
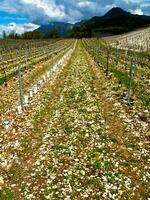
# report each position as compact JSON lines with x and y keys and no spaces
{"x":122,"y":77}
{"x":13,"y":74}
{"x":6,"y":195}
{"x":142,"y":94}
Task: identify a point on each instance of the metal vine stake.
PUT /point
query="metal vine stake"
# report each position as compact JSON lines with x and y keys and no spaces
{"x":135,"y":65}
{"x":4,"y":72}
{"x":107,"y":64}
{"x":130,"y":81}
{"x":52,"y":57}
{"x":20,"y":81}
{"x":26,"y":55}
{"x":117,"y":54}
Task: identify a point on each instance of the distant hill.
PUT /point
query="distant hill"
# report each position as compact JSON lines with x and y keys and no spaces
{"x":115,"y":12}
{"x":62,"y":27}
{"x":79,"y":23}
{"x":115,"y":21}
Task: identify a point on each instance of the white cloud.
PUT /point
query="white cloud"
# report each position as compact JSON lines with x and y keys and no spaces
{"x":138,"y":11}
{"x":17,"y":28}
{"x":44,"y":11}
{"x":49,"y":7}
{"x":85,"y":3}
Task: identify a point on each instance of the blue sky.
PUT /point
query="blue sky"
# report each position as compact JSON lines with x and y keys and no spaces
{"x":24,"y":15}
{"x":6,"y":18}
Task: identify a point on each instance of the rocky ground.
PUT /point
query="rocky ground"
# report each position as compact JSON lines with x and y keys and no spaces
{"x":76,"y":141}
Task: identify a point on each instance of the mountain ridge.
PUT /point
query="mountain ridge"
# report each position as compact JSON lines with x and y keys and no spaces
{"x":63,"y":27}
{"x":116,"y":11}
{"x":115,"y":21}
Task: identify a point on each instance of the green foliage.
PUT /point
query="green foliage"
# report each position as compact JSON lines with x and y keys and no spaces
{"x":6,"y":195}
{"x":121,"y":76}
{"x":79,"y":32}
{"x":4,"y":34}
{"x":52,"y":34}
{"x":13,"y":35}
{"x":32,"y":35}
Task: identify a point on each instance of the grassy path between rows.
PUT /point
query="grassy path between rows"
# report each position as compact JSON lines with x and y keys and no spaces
{"x":69,"y":151}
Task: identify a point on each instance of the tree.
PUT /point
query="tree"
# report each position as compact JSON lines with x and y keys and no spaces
{"x":52,"y":34}
{"x":32,"y":35}
{"x":13,"y":35}
{"x":4,"y":34}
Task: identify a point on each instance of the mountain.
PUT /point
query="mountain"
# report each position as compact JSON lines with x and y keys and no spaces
{"x":79,"y":23}
{"x":115,"y":21}
{"x":115,"y":12}
{"x":62,"y":27}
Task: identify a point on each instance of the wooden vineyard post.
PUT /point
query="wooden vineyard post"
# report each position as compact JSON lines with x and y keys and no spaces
{"x":20,"y":86}
{"x":99,"y":53}
{"x":116,"y":55}
{"x":94,"y":53}
{"x":4,"y":71}
{"x":52,"y":57}
{"x":135,"y":65}
{"x":130,"y":81}
{"x":147,"y":45}
{"x":26,"y":56}
{"x":107,"y":64}
{"x":29,"y":51}
{"x":20,"y":81}
{"x":61,"y":53}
